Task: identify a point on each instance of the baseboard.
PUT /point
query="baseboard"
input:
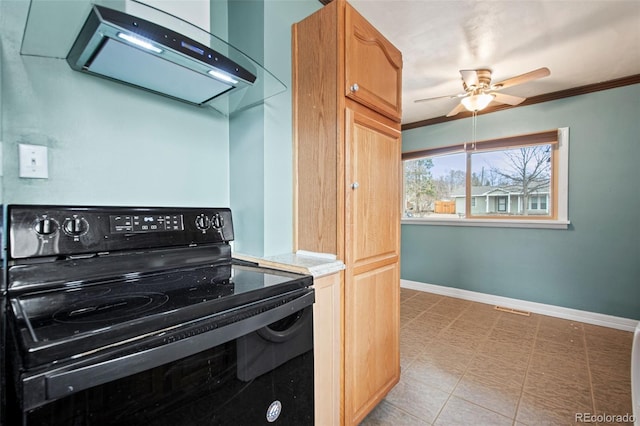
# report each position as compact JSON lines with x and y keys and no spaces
{"x":594,"y":318}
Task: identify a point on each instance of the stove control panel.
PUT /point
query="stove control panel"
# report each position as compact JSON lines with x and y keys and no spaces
{"x":37,"y":231}
{"x":146,"y":223}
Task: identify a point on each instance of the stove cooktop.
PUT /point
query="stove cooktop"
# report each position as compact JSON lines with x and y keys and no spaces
{"x":57,"y":324}
{"x":91,"y":280}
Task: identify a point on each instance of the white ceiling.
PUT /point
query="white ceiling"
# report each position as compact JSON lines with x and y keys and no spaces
{"x":580,"y":41}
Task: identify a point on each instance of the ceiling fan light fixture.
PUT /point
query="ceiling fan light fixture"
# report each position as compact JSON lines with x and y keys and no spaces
{"x":477,"y":102}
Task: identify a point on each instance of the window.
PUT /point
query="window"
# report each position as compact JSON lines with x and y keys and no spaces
{"x":520,"y":179}
{"x":538,"y":202}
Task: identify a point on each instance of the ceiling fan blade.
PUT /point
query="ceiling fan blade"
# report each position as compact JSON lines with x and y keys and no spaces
{"x":507,"y":99}
{"x":470,"y":77}
{"x":522,"y":78}
{"x":440,"y":97}
{"x":456,"y":110}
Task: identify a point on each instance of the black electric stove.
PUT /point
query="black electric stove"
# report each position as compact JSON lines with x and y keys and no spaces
{"x":98,"y":295}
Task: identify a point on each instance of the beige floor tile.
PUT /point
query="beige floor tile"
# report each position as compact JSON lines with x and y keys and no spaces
{"x":614,"y":364}
{"x":428,"y":299}
{"x":440,"y":366}
{"x":492,"y":367}
{"x":446,"y":309}
{"x":440,"y":351}
{"x":463,"y":413}
{"x":407,"y":293}
{"x":563,"y":369}
{"x":412,"y":344}
{"x":557,"y":388}
{"x":524,"y":337}
{"x":490,"y":393}
{"x":504,"y":371}
{"x":560,"y":330}
{"x":506,"y":348}
{"x":463,"y":334}
{"x":408,"y":313}
{"x":465,"y":326}
{"x":612,"y":394}
{"x":430,"y":324}
{"x":386,"y":414}
{"x":524,"y":325}
{"x":535,"y":410}
{"x":417,"y":398}
{"x":484,"y":317}
{"x":594,"y":332}
{"x":571,"y":351}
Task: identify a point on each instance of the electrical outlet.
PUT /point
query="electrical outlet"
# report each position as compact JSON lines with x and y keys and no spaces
{"x":33,"y":161}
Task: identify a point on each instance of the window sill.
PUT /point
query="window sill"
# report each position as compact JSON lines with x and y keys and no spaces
{"x":490,"y":223}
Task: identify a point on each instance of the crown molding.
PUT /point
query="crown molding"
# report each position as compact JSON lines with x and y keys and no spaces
{"x":582,"y":90}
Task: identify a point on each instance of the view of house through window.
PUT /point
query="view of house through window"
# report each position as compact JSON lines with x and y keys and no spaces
{"x":503,"y":178}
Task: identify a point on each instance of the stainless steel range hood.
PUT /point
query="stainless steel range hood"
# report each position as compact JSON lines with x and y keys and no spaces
{"x":137,"y":44}
{"x":126,"y":48}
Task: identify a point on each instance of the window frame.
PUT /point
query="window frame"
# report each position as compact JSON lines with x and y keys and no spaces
{"x":558,"y":218}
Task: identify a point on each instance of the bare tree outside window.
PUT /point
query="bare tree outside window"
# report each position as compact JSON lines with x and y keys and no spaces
{"x":521,"y":178}
{"x":419,"y":186}
{"x":430,"y":184}
{"x":514,"y":175}
{"x":529,"y":169}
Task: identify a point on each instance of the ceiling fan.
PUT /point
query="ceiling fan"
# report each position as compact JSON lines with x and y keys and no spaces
{"x":479,"y":92}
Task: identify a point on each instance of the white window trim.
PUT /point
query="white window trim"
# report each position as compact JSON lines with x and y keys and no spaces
{"x":562,"y":222}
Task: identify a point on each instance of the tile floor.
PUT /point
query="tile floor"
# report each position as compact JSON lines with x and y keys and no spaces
{"x":465,"y":363}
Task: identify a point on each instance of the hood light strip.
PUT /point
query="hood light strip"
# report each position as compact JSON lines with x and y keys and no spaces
{"x":221,"y":76}
{"x":139,"y":42}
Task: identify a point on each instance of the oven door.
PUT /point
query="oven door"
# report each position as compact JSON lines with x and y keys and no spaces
{"x":257,"y":369}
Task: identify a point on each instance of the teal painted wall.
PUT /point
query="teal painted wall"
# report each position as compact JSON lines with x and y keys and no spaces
{"x":115,"y":145}
{"x":261,"y":155}
{"x":108,"y":143}
{"x":592,"y":266}
{"x":246,"y":29}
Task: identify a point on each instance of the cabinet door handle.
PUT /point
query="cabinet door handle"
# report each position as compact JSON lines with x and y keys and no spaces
{"x":355,"y":185}
{"x":354,"y":87}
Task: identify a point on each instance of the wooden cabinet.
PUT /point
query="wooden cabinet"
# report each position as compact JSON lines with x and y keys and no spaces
{"x":373,"y":67}
{"x":348,"y":184}
{"x":327,"y":341}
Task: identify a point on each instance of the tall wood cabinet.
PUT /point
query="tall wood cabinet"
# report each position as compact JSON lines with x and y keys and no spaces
{"x":346,"y":114}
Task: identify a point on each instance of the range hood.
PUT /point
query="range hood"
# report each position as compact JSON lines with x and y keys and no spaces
{"x":132,"y":50}
{"x":139,"y":45}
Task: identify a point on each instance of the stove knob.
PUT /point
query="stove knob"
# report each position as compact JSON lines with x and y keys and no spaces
{"x":75,"y":227}
{"x":216,"y":221}
{"x":202,"y":222}
{"x":46,"y":226}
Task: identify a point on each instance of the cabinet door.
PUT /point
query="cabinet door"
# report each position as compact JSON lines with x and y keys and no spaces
{"x":372,"y":285}
{"x":372,"y":356}
{"x":373,"y":67}
{"x":373,"y":196}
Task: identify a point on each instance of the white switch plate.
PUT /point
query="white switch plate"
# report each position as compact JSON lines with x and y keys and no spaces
{"x":33,"y":161}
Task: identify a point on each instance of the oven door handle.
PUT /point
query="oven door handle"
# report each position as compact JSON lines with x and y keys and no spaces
{"x":63,"y":383}
{"x":280,"y":336}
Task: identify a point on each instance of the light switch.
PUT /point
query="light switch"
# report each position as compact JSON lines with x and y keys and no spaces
{"x":33,"y":161}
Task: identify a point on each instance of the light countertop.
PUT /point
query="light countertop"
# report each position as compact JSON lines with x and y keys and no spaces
{"x":316,"y":264}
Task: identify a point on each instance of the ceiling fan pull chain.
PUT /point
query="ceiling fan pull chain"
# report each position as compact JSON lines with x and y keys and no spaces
{"x":474,"y":124}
